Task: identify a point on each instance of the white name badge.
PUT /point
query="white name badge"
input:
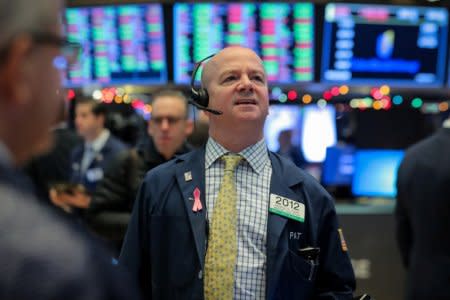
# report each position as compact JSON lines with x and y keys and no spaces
{"x":287,"y":207}
{"x":95,"y":174}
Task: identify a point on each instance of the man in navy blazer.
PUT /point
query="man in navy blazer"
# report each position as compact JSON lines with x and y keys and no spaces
{"x":89,"y":159}
{"x":90,"y":118}
{"x":422,"y":216}
{"x":282,"y":253}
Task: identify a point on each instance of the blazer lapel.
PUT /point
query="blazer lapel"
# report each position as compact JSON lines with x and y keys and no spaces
{"x":191,"y":175}
{"x":282,"y":179}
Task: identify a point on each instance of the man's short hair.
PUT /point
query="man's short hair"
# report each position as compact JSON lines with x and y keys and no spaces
{"x":97,"y":108}
{"x":174,"y":94}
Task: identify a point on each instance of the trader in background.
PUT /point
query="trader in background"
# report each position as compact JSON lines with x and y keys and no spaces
{"x":90,"y":158}
{"x":422,"y":216}
{"x":111,"y":204}
{"x":289,"y":150}
{"x":42,"y":256}
{"x":233,"y":220}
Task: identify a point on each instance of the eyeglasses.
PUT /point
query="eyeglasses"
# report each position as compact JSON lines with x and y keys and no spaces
{"x":70,"y":51}
{"x":170,"y":119}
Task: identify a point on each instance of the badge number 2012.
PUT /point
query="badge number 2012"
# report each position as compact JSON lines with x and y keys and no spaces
{"x":287,"y":207}
{"x":286,"y":203}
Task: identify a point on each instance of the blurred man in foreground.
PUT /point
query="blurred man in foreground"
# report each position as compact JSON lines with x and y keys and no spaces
{"x":42,"y":256}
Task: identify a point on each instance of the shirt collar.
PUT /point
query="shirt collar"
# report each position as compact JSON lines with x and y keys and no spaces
{"x":100,"y":141}
{"x":256,"y":155}
{"x":446,"y":123}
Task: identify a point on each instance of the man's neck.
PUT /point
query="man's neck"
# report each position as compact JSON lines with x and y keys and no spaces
{"x":95,"y":135}
{"x":235,"y":142}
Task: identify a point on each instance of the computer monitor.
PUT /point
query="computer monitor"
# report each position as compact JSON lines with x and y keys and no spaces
{"x":384,"y":44}
{"x":122,"y":44}
{"x":338,"y":166}
{"x":375,"y":173}
{"x":281,"y":33}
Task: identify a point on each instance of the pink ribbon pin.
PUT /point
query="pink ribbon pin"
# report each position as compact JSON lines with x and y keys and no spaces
{"x":197,"y":203}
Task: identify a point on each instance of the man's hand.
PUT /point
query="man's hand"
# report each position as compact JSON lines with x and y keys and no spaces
{"x":66,"y":199}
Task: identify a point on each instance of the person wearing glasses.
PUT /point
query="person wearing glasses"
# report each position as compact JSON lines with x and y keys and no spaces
{"x":42,"y":255}
{"x":232,"y":220}
{"x":111,"y":203}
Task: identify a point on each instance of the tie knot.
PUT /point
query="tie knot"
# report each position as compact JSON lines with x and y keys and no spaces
{"x":231,"y":161}
{"x":89,"y":148}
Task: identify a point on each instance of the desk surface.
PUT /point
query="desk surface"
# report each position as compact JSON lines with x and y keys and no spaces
{"x":367,"y":206}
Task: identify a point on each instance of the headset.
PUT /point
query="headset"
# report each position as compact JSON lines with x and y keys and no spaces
{"x":200,"y":97}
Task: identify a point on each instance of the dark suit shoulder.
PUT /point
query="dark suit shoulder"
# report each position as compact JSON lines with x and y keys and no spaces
{"x":169,"y":168}
{"x":115,"y":143}
{"x":49,"y":258}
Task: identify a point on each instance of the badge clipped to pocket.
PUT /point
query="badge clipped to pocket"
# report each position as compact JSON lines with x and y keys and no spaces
{"x":287,"y":208}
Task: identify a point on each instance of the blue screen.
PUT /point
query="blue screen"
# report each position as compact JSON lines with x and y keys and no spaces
{"x":375,"y":173}
{"x":122,"y":44}
{"x":384,"y":44}
{"x":337,"y":169}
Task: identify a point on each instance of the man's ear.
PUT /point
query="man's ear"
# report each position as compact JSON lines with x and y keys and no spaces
{"x":102,"y":119}
{"x":189,"y":128}
{"x":149,"y":128}
{"x":13,"y":78}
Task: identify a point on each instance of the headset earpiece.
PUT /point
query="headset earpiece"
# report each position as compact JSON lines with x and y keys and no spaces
{"x":200,"y":96}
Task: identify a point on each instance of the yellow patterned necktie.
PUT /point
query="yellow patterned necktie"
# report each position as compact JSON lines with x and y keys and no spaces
{"x":222,"y":244}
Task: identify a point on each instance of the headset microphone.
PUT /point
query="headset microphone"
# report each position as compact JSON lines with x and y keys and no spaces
{"x":201,"y":107}
{"x":200,"y":97}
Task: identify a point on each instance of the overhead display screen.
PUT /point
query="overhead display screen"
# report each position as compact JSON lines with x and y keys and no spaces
{"x":281,"y":33}
{"x":398,"y":45}
{"x":122,"y":44}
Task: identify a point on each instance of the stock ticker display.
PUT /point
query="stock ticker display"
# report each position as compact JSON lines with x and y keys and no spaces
{"x":281,"y":33}
{"x":376,"y":44}
{"x":122,"y":44}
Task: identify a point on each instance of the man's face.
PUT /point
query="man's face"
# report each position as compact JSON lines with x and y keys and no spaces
{"x":41,"y":94}
{"x":88,"y":125}
{"x":238,"y":88}
{"x":168,"y":125}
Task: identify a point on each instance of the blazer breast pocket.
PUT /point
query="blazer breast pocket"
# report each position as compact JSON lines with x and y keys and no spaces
{"x":297,"y":278}
{"x":306,"y":269}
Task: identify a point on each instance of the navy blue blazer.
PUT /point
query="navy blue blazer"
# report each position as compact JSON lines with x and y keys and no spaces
{"x":45,"y":257}
{"x":165,"y":246}
{"x":95,"y":171}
